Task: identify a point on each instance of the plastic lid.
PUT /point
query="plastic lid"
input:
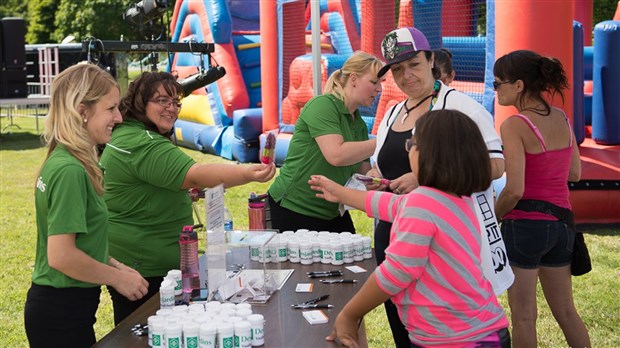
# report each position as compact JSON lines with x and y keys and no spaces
{"x":173,"y":329}
{"x":174,"y":272}
{"x":256,"y":205}
{"x":208,"y":329}
{"x":225,"y":328}
{"x":167,"y":282}
{"x":242,"y":325}
{"x":243,"y":305}
{"x":191,"y":328}
{"x":255,"y":319}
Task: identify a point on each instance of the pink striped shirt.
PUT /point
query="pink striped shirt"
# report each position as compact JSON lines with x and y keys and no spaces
{"x":433,"y":269}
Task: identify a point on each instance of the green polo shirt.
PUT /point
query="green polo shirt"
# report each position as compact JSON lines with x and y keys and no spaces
{"x":66,"y":203}
{"x":147,"y":207}
{"x":322,"y":115}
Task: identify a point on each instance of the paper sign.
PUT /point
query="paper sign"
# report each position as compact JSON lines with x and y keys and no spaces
{"x":214,"y":207}
{"x":356,"y":269}
{"x":315,"y":317}
{"x":304,"y":287}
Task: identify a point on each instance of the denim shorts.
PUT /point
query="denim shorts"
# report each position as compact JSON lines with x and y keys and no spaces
{"x":534,"y":243}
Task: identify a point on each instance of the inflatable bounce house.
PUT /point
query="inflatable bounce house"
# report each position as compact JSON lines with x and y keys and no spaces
{"x":264,"y":46}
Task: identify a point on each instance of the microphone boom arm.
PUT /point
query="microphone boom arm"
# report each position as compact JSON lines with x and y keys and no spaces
{"x":201,"y":79}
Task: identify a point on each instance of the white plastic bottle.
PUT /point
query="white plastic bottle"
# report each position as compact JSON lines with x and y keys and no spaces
{"x":305,"y":252}
{"x":367,"y":247}
{"x":225,"y":334}
{"x":337,"y":252}
{"x":190,"y":335}
{"x":257,"y":323}
{"x":316,"y":249}
{"x":348,"y":250}
{"x":166,"y":293}
{"x":174,"y":335}
{"x":358,"y":246}
{"x":243,"y":334}
{"x":326,"y":251}
{"x":208,"y":335}
{"x":151,"y":323}
{"x":157,"y":331}
{"x":177,"y":276}
{"x":293,"y":250}
{"x":282,"y":255}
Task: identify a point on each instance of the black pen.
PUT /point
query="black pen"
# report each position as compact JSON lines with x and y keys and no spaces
{"x":315,"y":300}
{"x":332,"y":281}
{"x":313,"y":306}
{"x":322,"y":275}
{"x":323,"y":272}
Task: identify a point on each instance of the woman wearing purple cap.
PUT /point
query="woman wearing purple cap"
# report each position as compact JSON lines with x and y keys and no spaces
{"x":409,"y":57}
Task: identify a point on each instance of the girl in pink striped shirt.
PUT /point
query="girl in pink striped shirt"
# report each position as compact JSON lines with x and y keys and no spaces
{"x":432,"y":271}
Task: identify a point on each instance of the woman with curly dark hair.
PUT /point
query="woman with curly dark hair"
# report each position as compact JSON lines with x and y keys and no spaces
{"x":146,"y":180}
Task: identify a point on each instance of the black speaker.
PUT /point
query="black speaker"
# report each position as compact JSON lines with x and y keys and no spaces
{"x":13,"y":83}
{"x":1,"y":47}
{"x":13,"y":42}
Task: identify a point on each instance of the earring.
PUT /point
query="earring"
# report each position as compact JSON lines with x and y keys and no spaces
{"x":353,"y":85}
{"x":85,"y":120}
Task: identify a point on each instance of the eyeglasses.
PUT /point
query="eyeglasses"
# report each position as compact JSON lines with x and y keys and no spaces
{"x":409,"y":143}
{"x":166,"y":102}
{"x":496,"y":84}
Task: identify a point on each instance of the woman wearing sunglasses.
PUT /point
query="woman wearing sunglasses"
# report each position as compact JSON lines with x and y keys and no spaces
{"x":541,"y":157}
{"x":146,"y":180}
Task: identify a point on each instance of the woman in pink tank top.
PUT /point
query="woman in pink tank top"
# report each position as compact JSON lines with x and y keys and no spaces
{"x":541,"y":157}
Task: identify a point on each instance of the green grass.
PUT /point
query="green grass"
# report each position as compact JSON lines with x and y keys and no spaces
{"x":596,"y":294}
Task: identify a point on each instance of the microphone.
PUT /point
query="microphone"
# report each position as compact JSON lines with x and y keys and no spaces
{"x":202,"y":79}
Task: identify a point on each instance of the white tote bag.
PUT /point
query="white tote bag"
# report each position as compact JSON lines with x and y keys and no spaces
{"x":495,"y":264}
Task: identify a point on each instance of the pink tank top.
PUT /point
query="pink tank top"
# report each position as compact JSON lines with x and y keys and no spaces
{"x":546,"y":176}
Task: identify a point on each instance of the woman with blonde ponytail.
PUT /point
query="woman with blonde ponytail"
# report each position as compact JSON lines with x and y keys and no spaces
{"x":330,"y":139}
{"x":72,"y":260}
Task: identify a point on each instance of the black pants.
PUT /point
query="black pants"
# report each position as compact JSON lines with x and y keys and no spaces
{"x":124,"y":307}
{"x":504,"y":341}
{"x":61,"y":317}
{"x":282,"y":219}
{"x":399,"y":332}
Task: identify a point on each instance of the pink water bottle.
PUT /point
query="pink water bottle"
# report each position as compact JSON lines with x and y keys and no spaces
{"x":256,"y":211}
{"x":190,"y":274}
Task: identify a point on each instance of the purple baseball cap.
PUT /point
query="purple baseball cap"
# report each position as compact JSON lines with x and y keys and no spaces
{"x":402,"y":44}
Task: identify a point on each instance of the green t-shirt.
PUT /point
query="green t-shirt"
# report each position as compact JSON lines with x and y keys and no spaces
{"x":147,"y":207}
{"x":66,"y":203}
{"x":322,"y":115}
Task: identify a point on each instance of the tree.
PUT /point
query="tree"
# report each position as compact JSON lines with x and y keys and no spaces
{"x":41,"y":20}
{"x":13,"y":8}
{"x":102,"y":19}
{"x":603,"y":10}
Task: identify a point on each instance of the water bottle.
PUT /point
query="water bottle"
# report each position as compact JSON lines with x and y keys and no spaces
{"x":228,"y":220}
{"x":166,"y":294}
{"x":188,"y":241}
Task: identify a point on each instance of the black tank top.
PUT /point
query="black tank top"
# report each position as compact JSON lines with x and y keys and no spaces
{"x":393,"y":159}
